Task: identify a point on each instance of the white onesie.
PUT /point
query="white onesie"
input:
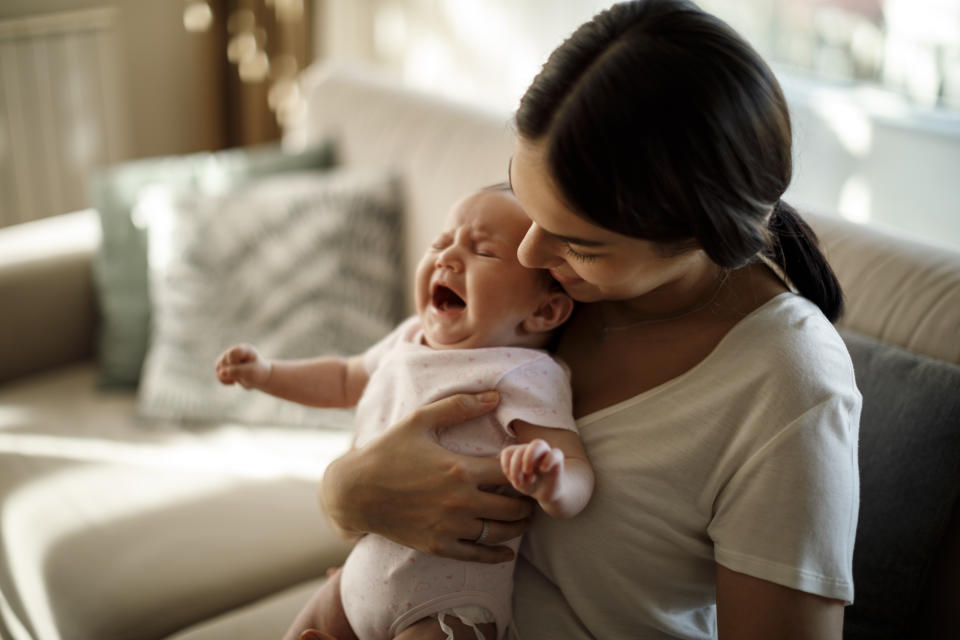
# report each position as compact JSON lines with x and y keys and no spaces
{"x":385,"y":587}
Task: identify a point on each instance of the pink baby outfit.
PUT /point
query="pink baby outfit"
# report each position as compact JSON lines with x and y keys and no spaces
{"x":385,"y":587}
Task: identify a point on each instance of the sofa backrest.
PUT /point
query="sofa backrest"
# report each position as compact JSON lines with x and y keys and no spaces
{"x":441,"y":150}
{"x":900,"y":291}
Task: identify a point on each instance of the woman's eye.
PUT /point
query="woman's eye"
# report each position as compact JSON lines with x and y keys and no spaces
{"x":576,"y":255}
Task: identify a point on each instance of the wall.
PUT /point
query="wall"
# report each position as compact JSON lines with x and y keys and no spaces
{"x":871,"y":157}
{"x":169,"y":78}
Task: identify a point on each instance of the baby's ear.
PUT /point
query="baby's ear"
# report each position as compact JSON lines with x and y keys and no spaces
{"x":551,"y":313}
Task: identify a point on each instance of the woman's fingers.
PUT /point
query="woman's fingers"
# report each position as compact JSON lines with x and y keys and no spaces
{"x":451,"y":411}
{"x":472,"y":552}
{"x":492,"y":549}
{"x":436,"y":509}
{"x":498,"y":532}
{"x":504,"y":509}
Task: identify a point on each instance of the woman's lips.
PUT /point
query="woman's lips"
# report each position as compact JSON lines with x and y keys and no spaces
{"x":565,"y":280}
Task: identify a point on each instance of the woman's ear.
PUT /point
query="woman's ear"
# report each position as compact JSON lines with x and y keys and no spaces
{"x":551,"y":313}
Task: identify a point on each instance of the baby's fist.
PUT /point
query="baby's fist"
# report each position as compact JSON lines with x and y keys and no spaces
{"x":533,"y":468}
{"x":243,"y":364}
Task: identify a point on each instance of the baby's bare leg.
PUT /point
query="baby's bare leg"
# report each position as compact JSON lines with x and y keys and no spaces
{"x":323,"y":612}
{"x":429,"y":629}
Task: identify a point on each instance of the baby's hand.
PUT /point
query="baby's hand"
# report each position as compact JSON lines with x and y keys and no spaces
{"x":244,"y":364}
{"x":533,"y":469}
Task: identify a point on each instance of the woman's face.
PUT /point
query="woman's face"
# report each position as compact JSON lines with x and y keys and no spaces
{"x":592,"y":263}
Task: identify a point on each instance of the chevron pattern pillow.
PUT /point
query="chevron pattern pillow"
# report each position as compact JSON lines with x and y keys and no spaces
{"x":300,"y":265}
{"x":120,"y":268}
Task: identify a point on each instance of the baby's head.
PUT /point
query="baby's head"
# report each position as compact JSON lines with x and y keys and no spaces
{"x":471,"y":291}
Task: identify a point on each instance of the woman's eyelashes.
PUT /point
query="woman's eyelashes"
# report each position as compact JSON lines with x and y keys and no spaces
{"x":576,"y":255}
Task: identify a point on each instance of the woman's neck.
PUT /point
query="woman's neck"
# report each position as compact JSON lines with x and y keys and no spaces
{"x":693,"y":290}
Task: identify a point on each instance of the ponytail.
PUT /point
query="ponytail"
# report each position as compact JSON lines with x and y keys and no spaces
{"x":796,"y":250}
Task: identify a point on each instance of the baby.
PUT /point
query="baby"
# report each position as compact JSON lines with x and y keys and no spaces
{"x":482,"y":322}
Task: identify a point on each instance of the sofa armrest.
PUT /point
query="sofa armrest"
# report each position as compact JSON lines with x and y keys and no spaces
{"x":47,"y":293}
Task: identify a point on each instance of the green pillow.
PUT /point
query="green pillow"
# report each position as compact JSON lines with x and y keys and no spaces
{"x":120,"y":268}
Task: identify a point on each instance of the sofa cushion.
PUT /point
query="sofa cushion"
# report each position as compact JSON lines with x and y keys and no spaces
{"x":910,"y":481}
{"x":110,"y":531}
{"x":266,"y":618}
{"x":300,"y":265}
{"x":121,"y":265}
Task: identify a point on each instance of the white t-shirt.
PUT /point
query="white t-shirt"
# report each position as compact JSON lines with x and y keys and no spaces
{"x":748,"y":460}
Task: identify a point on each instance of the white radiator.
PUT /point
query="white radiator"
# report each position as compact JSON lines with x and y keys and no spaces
{"x":61,"y":110}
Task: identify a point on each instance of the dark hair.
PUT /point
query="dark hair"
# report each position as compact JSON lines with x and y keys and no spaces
{"x":661,"y":122}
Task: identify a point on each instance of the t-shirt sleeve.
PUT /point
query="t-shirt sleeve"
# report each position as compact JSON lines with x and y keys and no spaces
{"x":373,"y":355}
{"x":537,"y":392}
{"x":789,"y":513}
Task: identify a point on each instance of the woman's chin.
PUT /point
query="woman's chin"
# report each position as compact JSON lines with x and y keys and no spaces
{"x":584,"y":292}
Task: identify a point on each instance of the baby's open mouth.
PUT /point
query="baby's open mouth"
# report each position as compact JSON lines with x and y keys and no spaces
{"x":445,"y":299}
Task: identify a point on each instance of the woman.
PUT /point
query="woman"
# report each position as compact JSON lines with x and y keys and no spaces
{"x":717,"y":406}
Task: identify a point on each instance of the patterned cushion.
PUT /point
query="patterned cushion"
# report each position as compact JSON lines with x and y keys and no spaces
{"x":300,"y":265}
{"x":121,"y":265}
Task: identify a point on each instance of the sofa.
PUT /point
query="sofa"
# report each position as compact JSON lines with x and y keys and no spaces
{"x":114,"y":529}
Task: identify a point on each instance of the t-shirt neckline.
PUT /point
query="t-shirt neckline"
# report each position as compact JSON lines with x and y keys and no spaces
{"x":616,"y":407}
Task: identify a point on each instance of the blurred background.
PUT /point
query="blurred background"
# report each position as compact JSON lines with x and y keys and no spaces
{"x":874,"y":85}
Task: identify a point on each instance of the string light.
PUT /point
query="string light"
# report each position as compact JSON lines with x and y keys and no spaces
{"x":247,"y":49}
{"x":197,"y":16}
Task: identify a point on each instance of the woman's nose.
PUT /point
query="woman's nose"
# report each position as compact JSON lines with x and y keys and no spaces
{"x":535,"y":250}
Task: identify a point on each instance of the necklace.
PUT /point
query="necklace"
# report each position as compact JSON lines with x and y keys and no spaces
{"x":603,"y":329}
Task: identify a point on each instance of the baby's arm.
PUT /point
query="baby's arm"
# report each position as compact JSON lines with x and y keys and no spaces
{"x":551,"y":466}
{"x":317,"y":382}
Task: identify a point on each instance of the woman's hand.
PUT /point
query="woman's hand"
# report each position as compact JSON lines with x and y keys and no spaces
{"x":404,"y":486}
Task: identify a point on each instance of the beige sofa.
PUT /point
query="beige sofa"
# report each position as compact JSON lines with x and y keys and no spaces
{"x":111,"y":530}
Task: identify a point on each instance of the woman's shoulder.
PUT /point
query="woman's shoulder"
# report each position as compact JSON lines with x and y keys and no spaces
{"x":790,"y":339}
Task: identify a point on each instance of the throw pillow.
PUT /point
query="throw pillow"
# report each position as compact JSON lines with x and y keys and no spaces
{"x":121,"y":264}
{"x":909,"y":483}
{"x":299,"y":265}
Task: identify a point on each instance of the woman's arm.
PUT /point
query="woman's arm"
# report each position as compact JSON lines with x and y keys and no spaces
{"x":551,"y":466}
{"x":749,"y":608}
{"x":404,"y":486}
